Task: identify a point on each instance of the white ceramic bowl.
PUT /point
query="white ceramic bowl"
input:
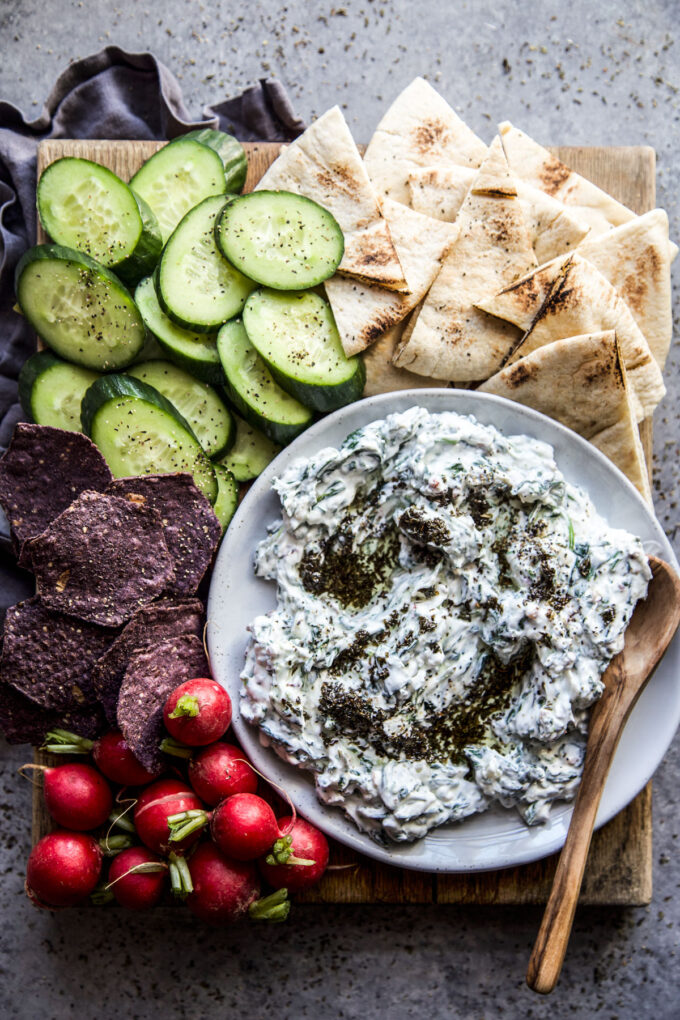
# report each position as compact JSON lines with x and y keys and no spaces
{"x":497,"y":838}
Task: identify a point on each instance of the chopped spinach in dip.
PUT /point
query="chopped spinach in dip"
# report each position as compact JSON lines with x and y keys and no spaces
{"x":447,"y":603}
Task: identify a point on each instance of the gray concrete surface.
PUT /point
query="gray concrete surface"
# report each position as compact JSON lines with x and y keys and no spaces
{"x":582,"y":72}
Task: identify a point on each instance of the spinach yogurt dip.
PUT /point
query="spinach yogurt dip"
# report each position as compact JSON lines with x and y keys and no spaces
{"x":447,"y":604}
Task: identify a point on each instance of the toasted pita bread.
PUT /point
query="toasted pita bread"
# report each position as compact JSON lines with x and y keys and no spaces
{"x":581,"y":382}
{"x":553,"y":229}
{"x":450,"y":338}
{"x":324,"y":164}
{"x":635,"y":258}
{"x":579,"y":300}
{"x":363,"y":312}
{"x":384,"y":377}
{"x":419,"y":129}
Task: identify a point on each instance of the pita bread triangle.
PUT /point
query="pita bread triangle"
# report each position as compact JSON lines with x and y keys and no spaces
{"x":419,"y":129}
{"x":363,"y":312}
{"x":570,"y":297}
{"x":384,"y":377}
{"x":451,"y":338}
{"x":635,"y":258}
{"x":553,"y":229}
{"x":581,"y":382}
{"x":325,"y":165}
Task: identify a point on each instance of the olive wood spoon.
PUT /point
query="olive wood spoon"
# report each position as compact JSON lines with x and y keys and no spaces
{"x":649,"y":632}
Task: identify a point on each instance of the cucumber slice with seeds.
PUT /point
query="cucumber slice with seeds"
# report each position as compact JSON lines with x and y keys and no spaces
{"x":178,"y":177}
{"x":230,"y":151}
{"x":51,"y":390}
{"x":79,"y":308}
{"x":210,"y":419}
{"x":281,"y":240}
{"x":253,"y":391}
{"x":227,"y":495}
{"x":250,"y":454}
{"x":86,"y":206}
{"x":196,"y":287}
{"x":295,"y":333}
{"x":139,"y":432}
{"x":196,"y":353}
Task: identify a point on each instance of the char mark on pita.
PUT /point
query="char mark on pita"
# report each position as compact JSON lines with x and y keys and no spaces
{"x":102,"y":559}
{"x":49,"y":658}
{"x":192,"y":531}
{"x":150,"y":677}
{"x":42,"y":472}
{"x":162,"y":620}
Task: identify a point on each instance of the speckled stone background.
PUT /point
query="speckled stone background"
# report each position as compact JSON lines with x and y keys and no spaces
{"x":581,"y":72}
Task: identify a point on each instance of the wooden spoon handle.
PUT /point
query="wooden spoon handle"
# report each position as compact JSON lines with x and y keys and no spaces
{"x":553,"y":936}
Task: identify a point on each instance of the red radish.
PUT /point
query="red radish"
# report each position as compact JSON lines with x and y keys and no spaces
{"x":223,"y":889}
{"x":115,"y":759}
{"x":299,"y":859}
{"x":111,"y":754}
{"x":197,"y":712}
{"x":244,"y":827}
{"x":219,"y":771}
{"x":155,"y":805}
{"x":137,"y":877}
{"x":63,"y":869}
{"x":76,"y":795}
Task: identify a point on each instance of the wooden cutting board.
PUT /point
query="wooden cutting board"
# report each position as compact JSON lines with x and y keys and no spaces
{"x":620,"y":864}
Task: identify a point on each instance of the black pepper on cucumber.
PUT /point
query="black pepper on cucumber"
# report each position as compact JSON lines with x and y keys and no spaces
{"x":196,"y":287}
{"x":253,"y":391}
{"x":194,"y":352}
{"x":250,"y":454}
{"x":296,"y":335}
{"x":79,"y":308}
{"x":139,"y":432}
{"x":86,"y":206}
{"x":281,"y":240}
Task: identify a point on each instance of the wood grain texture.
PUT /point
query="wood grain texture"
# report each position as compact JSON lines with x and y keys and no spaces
{"x":619,"y":870}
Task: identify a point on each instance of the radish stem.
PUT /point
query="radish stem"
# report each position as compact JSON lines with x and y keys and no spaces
{"x":184,"y":823}
{"x":187,"y":705}
{"x":64,"y":742}
{"x":119,"y":821}
{"x":112,"y":845}
{"x":180,"y":876}
{"x":173,"y":747}
{"x":282,"y":853}
{"x":274,"y":908}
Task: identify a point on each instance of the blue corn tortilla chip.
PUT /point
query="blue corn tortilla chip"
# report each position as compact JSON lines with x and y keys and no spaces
{"x":24,"y":722}
{"x":102,"y":559}
{"x":150,"y":677}
{"x":42,"y":472}
{"x":192,"y":530}
{"x":48,"y":657}
{"x":167,"y":618}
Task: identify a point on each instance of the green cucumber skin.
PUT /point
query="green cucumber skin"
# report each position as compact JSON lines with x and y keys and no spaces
{"x":322,"y":398}
{"x":230,"y":151}
{"x":31,"y":370}
{"x":226,"y":504}
{"x":144,"y":258}
{"x":278,"y":432}
{"x":243,"y":470}
{"x":208,"y":371}
{"x":50,"y":252}
{"x":109,"y":387}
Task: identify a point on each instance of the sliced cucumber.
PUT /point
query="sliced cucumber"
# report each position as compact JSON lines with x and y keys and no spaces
{"x":51,"y":390}
{"x":253,"y":391}
{"x":295,"y":333}
{"x":194,"y":352}
{"x":280,"y":239}
{"x":210,"y":419}
{"x":227,"y":495}
{"x":230,"y":151}
{"x":178,"y":177}
{"x":196,"y":286}
{"x":139,"y":432}
{"x":86,"y":206}
{"x":250,"y":454}
{"x":78,"y":307}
